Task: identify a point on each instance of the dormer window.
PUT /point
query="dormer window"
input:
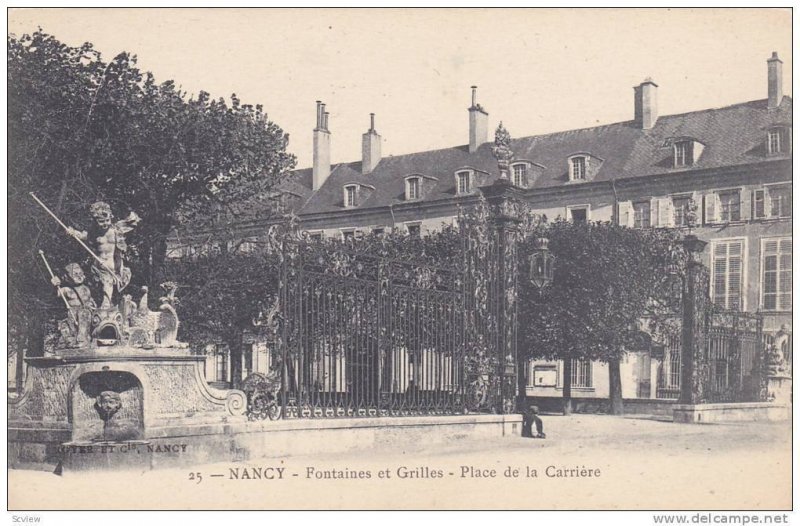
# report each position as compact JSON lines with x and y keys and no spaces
{"x":581,"y":167}
{"x":351,"y":196}
{"x":683,"y":153}
{"x":577,"y":170}
{"x":413,"y":188}
{"x":778,"y":140}
{"x":519,"y":174}
{"x":463,"y":182}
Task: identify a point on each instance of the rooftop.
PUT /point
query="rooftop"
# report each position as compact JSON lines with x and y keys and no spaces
{"x":732,"y":135}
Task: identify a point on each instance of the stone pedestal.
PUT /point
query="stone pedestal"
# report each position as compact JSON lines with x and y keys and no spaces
{"x":779,"y":389}
{"x":112,"y":395}
{"x":731,"y":412}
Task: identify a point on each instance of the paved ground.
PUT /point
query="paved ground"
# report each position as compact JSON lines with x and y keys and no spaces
{"x":599,"y":462}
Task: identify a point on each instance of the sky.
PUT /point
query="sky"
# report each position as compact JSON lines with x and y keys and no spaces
{"x":537,"y":70}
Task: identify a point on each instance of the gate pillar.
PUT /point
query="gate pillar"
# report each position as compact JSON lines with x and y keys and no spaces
{"x":694,"y":363}
{"x":506,"y":215}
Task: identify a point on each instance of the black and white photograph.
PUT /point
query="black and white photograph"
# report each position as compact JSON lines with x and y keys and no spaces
{"x":400,"y":259}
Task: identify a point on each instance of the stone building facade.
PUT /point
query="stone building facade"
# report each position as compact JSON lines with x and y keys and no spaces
{"x":733,"y":163}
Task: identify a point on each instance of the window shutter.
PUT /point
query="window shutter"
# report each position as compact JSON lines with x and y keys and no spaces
{"x":767,"y":203}
{"x":758,"y":204}
{"x":746,"y":207}
{"x":626,"y":213}
{"x":655,"y":207}
{"x":712,"y":206}
{"x":665,"y":215}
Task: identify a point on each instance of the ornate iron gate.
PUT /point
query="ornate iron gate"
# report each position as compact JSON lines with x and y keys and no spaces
{"x":366,"y":335}
{"x":735,"y":359}
{"x":732,"y":366}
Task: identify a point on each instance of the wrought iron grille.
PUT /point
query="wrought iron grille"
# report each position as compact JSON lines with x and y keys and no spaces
{"x":732,"y":368}
{"x":669,"y":370}
{"x":366,"y":335}
{"x":735,"y":357}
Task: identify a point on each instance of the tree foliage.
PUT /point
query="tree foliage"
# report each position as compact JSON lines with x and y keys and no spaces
{"x":82,"y":128}
{"x":609,"y":281}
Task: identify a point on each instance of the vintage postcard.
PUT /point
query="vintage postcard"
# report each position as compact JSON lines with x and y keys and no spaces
{"x":400,"y":259}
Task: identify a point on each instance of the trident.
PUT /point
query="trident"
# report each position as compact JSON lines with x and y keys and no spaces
{"x":89,"y":250}
{"x":66,"y":303}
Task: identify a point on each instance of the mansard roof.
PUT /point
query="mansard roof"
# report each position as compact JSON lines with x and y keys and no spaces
{"x":733,"y":135}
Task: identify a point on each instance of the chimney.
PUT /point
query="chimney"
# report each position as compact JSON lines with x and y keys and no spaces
{"x":370,"y":147}
{"x":774,"y":81}
{"x":478,"y":123}
{"x":645,"y":104}
{"x":322,"y":148}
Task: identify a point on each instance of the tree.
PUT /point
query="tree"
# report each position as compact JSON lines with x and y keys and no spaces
{"x":83,"y":129}
{"x":222,"y":296}
{"x":610,"y":282}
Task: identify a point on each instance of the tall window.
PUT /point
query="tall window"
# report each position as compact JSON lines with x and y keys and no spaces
{"x":776,"y":262}
{"x":413,"y":188}
{"x":730,"y":206}
{"x":680,"y":206}
{"x":674,"y":377}
{"x":758,"y":208}
{"x":520,"y":171}
{"x":780,"y":199}
{"x":463,"y":182}
{"x":641,"y":214}
{"x":774,"y":141}
{"x":726,"y":268}
{"x":778,"y":140}
{"x":350,"y":195}
{"x":683,"y":153}
{"x":578,"y":215}
{"x":720,"y":373}
{"x":221,"y":362}
{"x":578,"y":168}
{"x":581,"y":373}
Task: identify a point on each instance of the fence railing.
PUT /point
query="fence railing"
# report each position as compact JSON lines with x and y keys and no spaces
{"x":735,"y":369}
{"x":370,"y":336}
{"x":669,"y":370}
{"x":733,"y":366}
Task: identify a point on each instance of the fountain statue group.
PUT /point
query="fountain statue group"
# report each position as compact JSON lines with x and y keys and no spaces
{"x":115,"y":373}
{"x":93,"y":317}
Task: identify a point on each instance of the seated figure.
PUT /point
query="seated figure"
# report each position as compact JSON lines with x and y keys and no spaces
{"x":80,"y":302}
{"x":530,"y":417}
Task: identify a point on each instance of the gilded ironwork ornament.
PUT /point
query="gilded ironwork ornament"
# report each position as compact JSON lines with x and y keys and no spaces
{"x":502,"y":150}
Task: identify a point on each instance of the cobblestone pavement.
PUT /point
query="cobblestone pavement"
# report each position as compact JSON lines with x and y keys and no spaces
{"x":586,"y":462}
